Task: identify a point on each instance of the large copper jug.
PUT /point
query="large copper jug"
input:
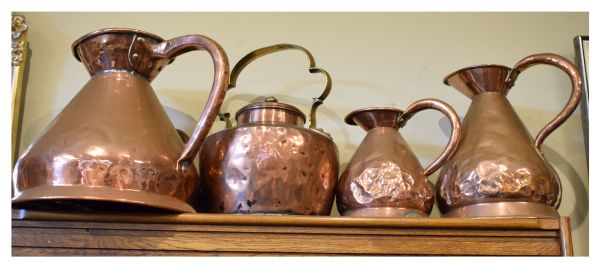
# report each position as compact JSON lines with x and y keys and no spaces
{"x":498,"y":169}
{"x":384,"y":177}
{"x":113,"y":146}
{"x":269,"y":162}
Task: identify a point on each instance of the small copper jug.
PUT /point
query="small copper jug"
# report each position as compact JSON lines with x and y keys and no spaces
{"x":113,"y":146}
{"x":498,"y":169}
{"x":384,"y":177}
{"x":269,"y":163}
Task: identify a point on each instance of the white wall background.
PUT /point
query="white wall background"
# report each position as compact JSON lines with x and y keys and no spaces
{"x":375,"y":59}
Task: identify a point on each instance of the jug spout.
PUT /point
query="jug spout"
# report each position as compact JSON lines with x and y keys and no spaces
{"x":479,"y":79}
{"x":369,"y":118}
{"x":119,"y":50}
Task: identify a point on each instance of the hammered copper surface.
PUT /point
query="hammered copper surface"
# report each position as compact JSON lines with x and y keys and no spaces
{"x":113,"y":141}
{"x":118,"y":49}
{"x":384,"y":178}
{"x":497,"y":160}
{"x":269,"y":169}
{"x":270,"y":163}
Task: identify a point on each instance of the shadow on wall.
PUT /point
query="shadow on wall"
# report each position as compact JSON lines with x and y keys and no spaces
{"x":444,"y":125}
{"x":36,"y":128}
{"x":183,"y":98}
{"x":196,"y":99}
{"x":181,"y":120}
{"x":18,"y":135}
{"x":581,"y":207}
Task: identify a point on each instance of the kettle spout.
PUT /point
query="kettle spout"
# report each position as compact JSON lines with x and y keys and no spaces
{"x":479,"y":79}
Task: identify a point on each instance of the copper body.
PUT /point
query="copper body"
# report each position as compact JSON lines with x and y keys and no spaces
{"x":498,"y":169}
{"x":113,"y":146}
{"x":270,"y":163}
{"x":384,"y":177}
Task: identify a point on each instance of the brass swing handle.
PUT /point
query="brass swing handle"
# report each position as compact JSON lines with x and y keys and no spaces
{"x":250,"y":57}
{"x":170,"y":49}
{"x":444,"y":108}
{"x":576,"y":91}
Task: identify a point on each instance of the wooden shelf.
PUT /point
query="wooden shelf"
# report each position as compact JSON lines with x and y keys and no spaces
{"x":43,"y":233}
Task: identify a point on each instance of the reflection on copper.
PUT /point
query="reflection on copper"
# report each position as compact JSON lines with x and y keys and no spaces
{"x":96,"y":151}
{"x":269,"y":162}
{"x":114,"y":143}
{"x":499,"y":170}
{"x":384,"y":178}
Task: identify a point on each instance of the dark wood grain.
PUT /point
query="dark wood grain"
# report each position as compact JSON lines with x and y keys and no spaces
{"x":41,"y":234}
{"x":27,"y":251}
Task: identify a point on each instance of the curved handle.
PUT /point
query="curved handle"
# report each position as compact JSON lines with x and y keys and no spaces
{"x":170,"y":49}
{"x":443,"y":107}
{"x":567,"y":67}
{"x":237,"y":69}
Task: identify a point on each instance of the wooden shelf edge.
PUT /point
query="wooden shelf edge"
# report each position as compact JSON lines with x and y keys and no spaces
{"x":566,"y":243}
{"x":299,"y":221}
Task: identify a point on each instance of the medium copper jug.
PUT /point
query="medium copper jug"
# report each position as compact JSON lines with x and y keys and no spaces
{"x":269,"y":162}
{"x":384,"y":177}
{"x":498,"y":169}
{"x":113,"y":146}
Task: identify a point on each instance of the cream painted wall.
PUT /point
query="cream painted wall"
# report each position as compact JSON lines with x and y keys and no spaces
{"x":375,"y":59}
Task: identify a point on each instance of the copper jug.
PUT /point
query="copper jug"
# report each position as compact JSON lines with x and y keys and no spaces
{"x":384,"y":177}
{"x":498,"y":169}
{"x":113,"y":146}
{"x":269,"y":162}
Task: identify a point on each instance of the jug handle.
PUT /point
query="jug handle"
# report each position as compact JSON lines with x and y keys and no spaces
{"x":250,"y":57}
{"x":172,"y":48}
{"x":576,"y":91}
{"x":445,"y":109}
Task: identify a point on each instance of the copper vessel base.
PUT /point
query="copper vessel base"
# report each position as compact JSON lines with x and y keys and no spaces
{"x":504,"y":210}
{"x":387,"y":212}
{"x":96,"y":199}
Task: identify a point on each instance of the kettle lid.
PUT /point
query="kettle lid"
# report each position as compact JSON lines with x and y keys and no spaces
{"x":270,"y":111}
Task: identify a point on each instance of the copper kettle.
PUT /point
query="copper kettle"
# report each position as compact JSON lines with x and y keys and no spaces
{"x":384,"y":177}
{"x":269,"y":162}
{"x":113,"y":147}
{"x":498,"y":169}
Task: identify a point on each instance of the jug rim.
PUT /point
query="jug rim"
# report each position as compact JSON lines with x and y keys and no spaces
{"x":348,"y":119}
{"x":447,"y":77}
{"x":107,"y":31}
